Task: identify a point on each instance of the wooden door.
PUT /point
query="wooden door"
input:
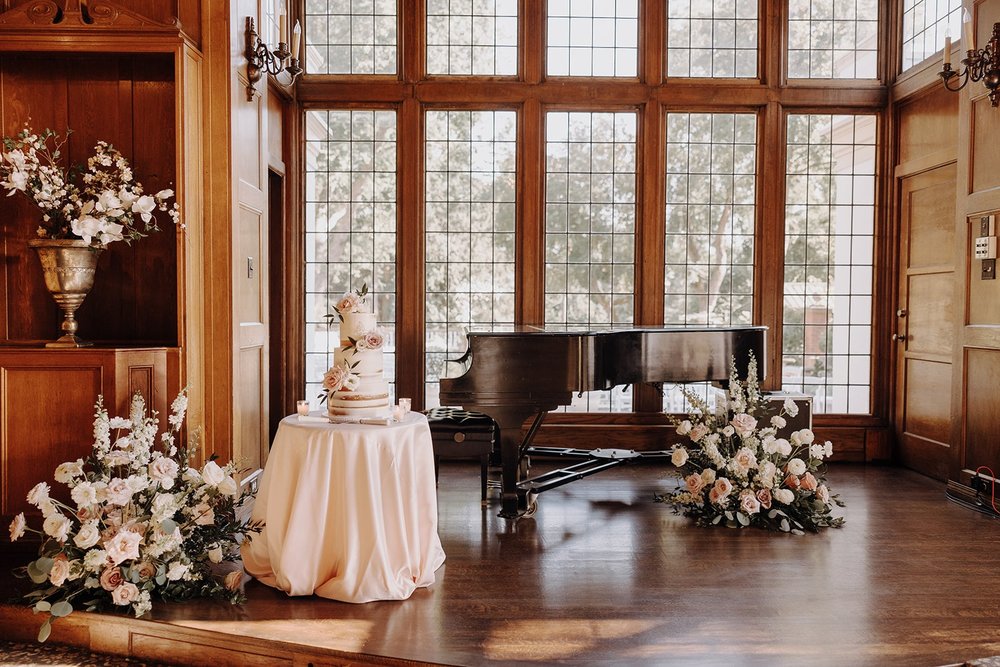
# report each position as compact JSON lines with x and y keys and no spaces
{"x":925,"y":320}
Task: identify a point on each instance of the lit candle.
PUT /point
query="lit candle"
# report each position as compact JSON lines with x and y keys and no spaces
{"x":296,"y":40}
{"x":970,"y":36}
{"x":946,"y":58}
{"x":282,"y":28}
{"x":398,"y":412}
{"x":302,"y":407}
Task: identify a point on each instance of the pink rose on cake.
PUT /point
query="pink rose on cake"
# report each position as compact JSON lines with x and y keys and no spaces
{"x":351,"y":302}
{"x":340,"y":378}
{"x":371,"y":340}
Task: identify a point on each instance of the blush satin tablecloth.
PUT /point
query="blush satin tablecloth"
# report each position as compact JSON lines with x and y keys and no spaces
{"x":349,"y":511}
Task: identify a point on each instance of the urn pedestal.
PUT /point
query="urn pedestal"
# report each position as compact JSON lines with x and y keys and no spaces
{"x":68,"y":266}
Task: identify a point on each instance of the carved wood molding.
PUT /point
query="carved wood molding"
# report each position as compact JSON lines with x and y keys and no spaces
{"x":80,"y":14}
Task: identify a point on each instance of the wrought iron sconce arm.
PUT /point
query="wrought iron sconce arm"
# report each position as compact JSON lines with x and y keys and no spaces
{"x":978,"y":65}
{"x":261,"y":59}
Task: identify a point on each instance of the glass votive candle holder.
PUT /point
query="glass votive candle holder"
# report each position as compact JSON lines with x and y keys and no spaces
{"x":302,"y":407}
{"x":404,"y":403}
{"x":398,"y":412}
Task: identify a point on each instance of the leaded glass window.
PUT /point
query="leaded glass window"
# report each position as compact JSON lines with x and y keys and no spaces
{"x":350,"y":36}
{"x":830,"y":39}
{"x":712,"y":39}
{"x":593,"y":37}
{"x":477,"y":37}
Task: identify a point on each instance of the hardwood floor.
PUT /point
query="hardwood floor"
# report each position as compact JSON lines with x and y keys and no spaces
{"x":603,"y":575}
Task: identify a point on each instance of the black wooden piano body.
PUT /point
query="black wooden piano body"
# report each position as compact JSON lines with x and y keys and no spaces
{"x":512,"y":375}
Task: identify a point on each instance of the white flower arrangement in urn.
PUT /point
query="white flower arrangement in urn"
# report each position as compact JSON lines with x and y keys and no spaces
{"x":737,"y":472}
{"x":141,"y":522}
{"x":99,"y":202}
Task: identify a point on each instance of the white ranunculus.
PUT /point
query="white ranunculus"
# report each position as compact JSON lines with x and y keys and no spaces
{"x":679,"y":457}
{"x":783,"y":496}
{"x":816,"y":451}
{"x":39,"y":493}
{"x":212,"y":473}
{"x":796,"y":467}
{"x":88,"y":535}
{"x":783,"y":447}
{"x":828,"y":448}
{"x":777,"y":421}
{"x":803,"y":437}
{"x":95,"y":560}
{"x":57,"y":527}
{"x":66,"y":472}
{"x":17,"y":527}
{"x":790,"y":407}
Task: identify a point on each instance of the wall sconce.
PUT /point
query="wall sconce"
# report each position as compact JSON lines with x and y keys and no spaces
{"x":980,"y":64}
{"x":260,"y":58}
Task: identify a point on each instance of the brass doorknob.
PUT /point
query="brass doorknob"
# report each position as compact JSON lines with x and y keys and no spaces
{"x":899,"y":337}
{"x":901,"y":312}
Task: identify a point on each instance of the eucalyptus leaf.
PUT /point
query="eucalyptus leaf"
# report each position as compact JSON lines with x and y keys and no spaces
{"x":61,"y":608}
{"x":798,"y":532}
{"x":784,"y":525}
{"x":772,"y":514}
{"x":742,"y":518}
{"x":45,"y":630}
{"x":161,"y":579}
{"x":37,"y":576}
{"x":717,"y":519}
{"x":45,"y":564}
{"x":168,"y":526}
{"x":729,"y":515}
{"x":42,"y":605}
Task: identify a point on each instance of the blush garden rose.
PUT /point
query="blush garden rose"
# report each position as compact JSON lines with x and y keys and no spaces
{"x":144,"y":523}
{"x":738,"y":474}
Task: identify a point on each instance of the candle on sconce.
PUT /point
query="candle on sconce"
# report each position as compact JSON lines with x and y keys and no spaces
{"x":302,"y":408}
{"x":282,"y":28}
{"x":970,"y":36}
{"x":946,"y":58}
{"x":296,"y":40}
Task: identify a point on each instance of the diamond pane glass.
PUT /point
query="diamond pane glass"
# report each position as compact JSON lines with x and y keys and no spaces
{"x":477,"y":37}
{"x":592,"y":37}
{"x":829,"y":248}
{"x":833,"y":39}
{"x":350,"y":36}
{"x":470,"y":213}
{"x":717,"y":38}
{"x":350,"y":228}
{"x":590,"y":195}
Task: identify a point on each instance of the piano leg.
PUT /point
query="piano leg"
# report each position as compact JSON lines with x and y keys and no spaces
{"x":514,"y":501}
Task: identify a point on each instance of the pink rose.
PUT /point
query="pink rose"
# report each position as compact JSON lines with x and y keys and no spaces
{"x":349,"y":303}
{"x":695,"y":483}
{"x":119,"y":492}
{"x":146,"y":570}
{"x":748,"y":502}
{"x":808,"y":482}
{"x":745,"y":459}
{"x":164,"y":470}
{"x":335,"y":378}
{"x":371,"y":341}
{"x":123,"y":546}
{"x":125,"y":594}
{"x":823,"y":493}
{"x":720,"y":492}
{"x":233,"y":580}
{"x":792,"y":482}
{"x":698,"y":432}
{"x":764,"y":497}
{"x":111,"y":578}
{"x":743,"y":424}
{"x":59,"y":571}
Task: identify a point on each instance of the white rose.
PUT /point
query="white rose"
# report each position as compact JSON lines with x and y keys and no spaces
{"x":59,"y":571}
{"x":708,"y":475}
{"x":796,"y":467}
{"x":215,"y":554}
{"x":212,"y":474}
{"x":123,"y":546}
{"x":119,"y":492}
{"x":684,"y":427}
{"x":679,"y":457}
{"x":164,"y":470}
{"x":176,"y":571}
{"x":203,"y":514}
{"x":144,"y":206}
{"x":228,"y":487}
{"x":87,"y":536}
{"x":743,"y":424}
{"x":728,"y":431}
{"x":69,"y":470}
{"x":783,"y":496}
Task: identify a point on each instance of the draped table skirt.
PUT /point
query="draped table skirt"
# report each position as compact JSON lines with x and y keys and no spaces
{"x":349,"y":511}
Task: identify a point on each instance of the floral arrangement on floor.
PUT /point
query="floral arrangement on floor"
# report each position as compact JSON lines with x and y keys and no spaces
{"x":141,"y":523}
{"x":99,"y":202}
{"x":738,"y":473}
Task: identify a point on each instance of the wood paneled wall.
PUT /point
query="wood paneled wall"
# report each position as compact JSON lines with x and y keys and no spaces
{"x":977,"y":326}
{"x":129,"y":102}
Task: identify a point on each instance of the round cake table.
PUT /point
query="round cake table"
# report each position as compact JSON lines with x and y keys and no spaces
{"x":349,"y":511}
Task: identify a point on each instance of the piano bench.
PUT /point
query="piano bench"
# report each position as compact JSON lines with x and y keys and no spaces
{"x":459,"y":434}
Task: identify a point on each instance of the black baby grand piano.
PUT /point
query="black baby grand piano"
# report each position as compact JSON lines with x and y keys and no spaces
{"x":512,"y":375}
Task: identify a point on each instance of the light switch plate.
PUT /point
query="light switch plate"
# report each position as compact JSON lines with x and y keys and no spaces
{"x":989,"y":270}
{"x":986,"y":247}
{"x":988,"y":225}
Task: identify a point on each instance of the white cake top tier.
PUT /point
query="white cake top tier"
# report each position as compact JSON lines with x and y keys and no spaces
{"x":355,"y":325}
